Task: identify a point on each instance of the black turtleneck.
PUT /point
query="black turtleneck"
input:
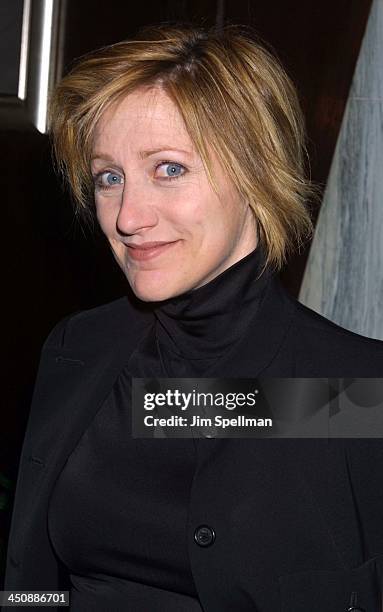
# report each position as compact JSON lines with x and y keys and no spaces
{"x":119,"y":509}
{"x":195,"y":329}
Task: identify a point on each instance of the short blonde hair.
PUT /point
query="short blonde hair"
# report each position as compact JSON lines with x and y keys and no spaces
{"x":230,"y":90}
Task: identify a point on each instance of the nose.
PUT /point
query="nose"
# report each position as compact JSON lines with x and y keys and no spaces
{"x":137,"y":212}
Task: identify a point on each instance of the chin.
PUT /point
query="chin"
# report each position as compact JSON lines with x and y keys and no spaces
{"x":154,"y":290}
{"x":147,"y":295}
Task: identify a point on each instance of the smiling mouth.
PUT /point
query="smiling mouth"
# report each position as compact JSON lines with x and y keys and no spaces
{"x":149,"y":250}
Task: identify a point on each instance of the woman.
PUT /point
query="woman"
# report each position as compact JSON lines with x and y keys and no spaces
{"x":187,"y":145}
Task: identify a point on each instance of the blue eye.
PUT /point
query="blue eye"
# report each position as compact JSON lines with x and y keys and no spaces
{"x":173,"y":169}
{"x":169,"y":170}
{"x":108,"y":180}
{"x":113,"y":179}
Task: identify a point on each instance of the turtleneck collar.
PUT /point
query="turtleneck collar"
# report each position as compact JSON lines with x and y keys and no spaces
{"x":201,"y":324}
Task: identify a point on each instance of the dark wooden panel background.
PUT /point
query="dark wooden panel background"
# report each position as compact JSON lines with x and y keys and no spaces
{"x":50,"y":267}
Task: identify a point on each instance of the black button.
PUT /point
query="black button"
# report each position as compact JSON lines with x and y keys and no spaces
{"x":204,"y":535}
{"x":353,"y":606}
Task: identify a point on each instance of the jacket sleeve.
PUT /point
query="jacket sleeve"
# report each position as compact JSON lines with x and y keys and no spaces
{"x":22,"y":565}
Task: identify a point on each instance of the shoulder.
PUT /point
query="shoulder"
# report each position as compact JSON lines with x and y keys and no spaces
{"x":313,"y":324}
{"x":105,"y":324}
{"x":332,"y":347}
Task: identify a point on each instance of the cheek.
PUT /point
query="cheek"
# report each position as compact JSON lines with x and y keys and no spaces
{"x":185,"y":218}
{"x":204,"y":208}
{"x":197,"y":206}
{"x":197,"y":216}
{"x":233,"y":213}
{"x":100,"y":212}
{"x":106,"y":213}
{"x":214,"y":220}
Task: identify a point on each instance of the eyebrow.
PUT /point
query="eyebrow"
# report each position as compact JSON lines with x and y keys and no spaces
{"x":143,"y":154}
{"x":101,"y":156}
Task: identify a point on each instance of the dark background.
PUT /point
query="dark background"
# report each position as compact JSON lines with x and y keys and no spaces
{"x":51,"y":266}
{"x":11,"y":12}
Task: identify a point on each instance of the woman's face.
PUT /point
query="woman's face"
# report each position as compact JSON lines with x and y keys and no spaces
{"x":168,"y":229}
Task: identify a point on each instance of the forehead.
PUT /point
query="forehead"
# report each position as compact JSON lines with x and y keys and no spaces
{"x":144,"y":118}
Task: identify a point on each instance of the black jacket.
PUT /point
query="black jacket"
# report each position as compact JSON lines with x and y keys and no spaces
{"x":301,"y":520}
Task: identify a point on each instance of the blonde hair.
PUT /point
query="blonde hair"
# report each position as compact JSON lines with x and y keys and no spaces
{"x":229,"y":89}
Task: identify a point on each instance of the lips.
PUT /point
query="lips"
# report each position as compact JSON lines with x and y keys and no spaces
{"x":148,"y":245}
{"x":149,"y":250}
